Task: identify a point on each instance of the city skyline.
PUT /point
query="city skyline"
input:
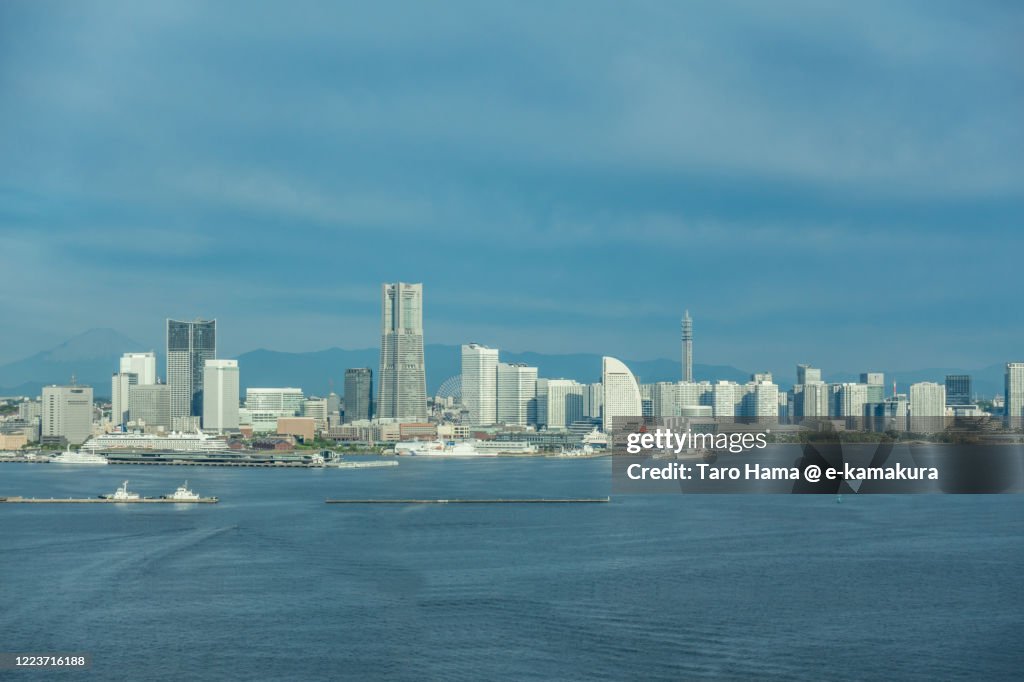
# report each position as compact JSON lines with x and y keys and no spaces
{"x":814,"y":200}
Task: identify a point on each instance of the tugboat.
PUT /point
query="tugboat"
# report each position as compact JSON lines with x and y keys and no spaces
{"x":122,"y":494}
{"x":183,"y":494}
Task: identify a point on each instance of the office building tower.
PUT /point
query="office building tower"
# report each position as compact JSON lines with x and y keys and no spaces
{"x":875,"y":382}
{"x":762,"y":399}
{"x":120,"y":385}
{"x":143,"y":365}
{"x":687,"y":339}
{"x":927,"y":407}
{"x":724,"y":398}
{"x":852,"y":399}
{"x":621,"y":393}
{"x":189,"y":346}
{"x":593,"y":399}
{"x":805,"y":374}
{"x":517,"y":394}
{"x":402,"y":380}
{"x":811,"y":400}
{"x":66,"y":414}
{"x":665,"y":399}
{"x":358,"y":394}
{"x":333,"y":403}
{"x":1013,"y":399}
{"x":149,"y":407}
{"x":220,"y":396}
{"x":479,"y":383}
{"x":958,"y":389}
{"x":564,"y":403}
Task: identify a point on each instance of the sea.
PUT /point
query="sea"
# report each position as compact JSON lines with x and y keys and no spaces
{"x":274,"y":584}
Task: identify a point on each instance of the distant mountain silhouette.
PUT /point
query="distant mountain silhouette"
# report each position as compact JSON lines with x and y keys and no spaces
{"x":93,"y":356}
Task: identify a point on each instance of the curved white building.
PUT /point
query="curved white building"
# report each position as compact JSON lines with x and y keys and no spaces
{"x":621,"y":392}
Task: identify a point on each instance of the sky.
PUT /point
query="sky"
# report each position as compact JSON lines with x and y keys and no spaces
{"x":833,"y":183}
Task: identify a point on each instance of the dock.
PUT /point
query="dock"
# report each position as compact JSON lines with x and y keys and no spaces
{"x":527,"y":500}
{"x":102,"y":500}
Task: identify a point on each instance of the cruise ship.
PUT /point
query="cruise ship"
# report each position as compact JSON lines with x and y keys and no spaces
{"x":71,"y":457}
{"x":439,"y":448}
{"x":171,"y":442}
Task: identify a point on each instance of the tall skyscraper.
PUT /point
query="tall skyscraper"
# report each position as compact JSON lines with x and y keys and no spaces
{"x":358,"y":394}
{"x":479,"y":383}
{"x":1014,"y":397}
{"x":402,"y":378}
{"x":805,"y":374}
{"x":220,"y":395}
{"x":120,"y":388}
{"x":142,"y":365}
{"x":958,"y":389}
{"x":621,"y":392}
{"x":189,"y":346}
{"x":517,"y":394}
{"x":67,"y":413}
{"x":687,"y":347}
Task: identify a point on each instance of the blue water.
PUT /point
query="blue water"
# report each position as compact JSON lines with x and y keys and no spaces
{"x":273,"y":584}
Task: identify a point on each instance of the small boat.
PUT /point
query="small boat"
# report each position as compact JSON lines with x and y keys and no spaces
{"x":183,"y":494}
{"x":122,"y":494}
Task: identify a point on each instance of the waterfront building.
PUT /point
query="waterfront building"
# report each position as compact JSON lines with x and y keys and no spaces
{"x":402,"y":378}
{"x":564,"y":403}
{"x":220,"y":400}
{"x":1013,"y":399}
{"x":266,"y":405}
{"x":316,"y":409}
{"x":66,"y":414}
{"x":149,"y":406}
{"x":927,"y":407}
{"x":120,"y":385}
{"x":593,"y":399}
{"x":358,"y":394}
{"x":479,"y":383}
{"x":958,"y":389}
{"x":189,"y":346}
{"x":517,"y":394}
{"x":621,"y":392}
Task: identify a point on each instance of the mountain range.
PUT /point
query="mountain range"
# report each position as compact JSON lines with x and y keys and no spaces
{"x":91,"y":357}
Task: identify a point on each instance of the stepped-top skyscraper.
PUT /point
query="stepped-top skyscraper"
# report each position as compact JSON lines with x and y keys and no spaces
{"x":402,"y":381}
{"x":189,"y":346}
{"x":687,"y":347}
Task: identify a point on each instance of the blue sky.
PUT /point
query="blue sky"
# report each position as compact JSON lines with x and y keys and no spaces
{"x":836,"y":183}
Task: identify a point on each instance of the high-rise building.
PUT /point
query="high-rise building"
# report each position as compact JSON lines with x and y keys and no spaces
{"x":875,"y":382}
{"x":593,"y":399}
{"x":687,"y":338}
{"x":517,"y":394}
{"x":149,"y":406}
{"x":927,"y":407}
{"x":851,"y":400}
{"x":811,"y":399}
{"x":358,"y":394}
{"x":958,"y":389}
{"x":142,"y":365}
{"x":402,"y":380}
{"x":67,"y":413}
{"x":189,"y":346}
{"x":479,"y":383}
{"x":805,"y":374}
{"x":665,"y":399}
{"x":621,"y":392}
{"x":220,"y":395}
{"x":564,"y":403}
{"x":120,"y":386}
{"x":1013,"y":399}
